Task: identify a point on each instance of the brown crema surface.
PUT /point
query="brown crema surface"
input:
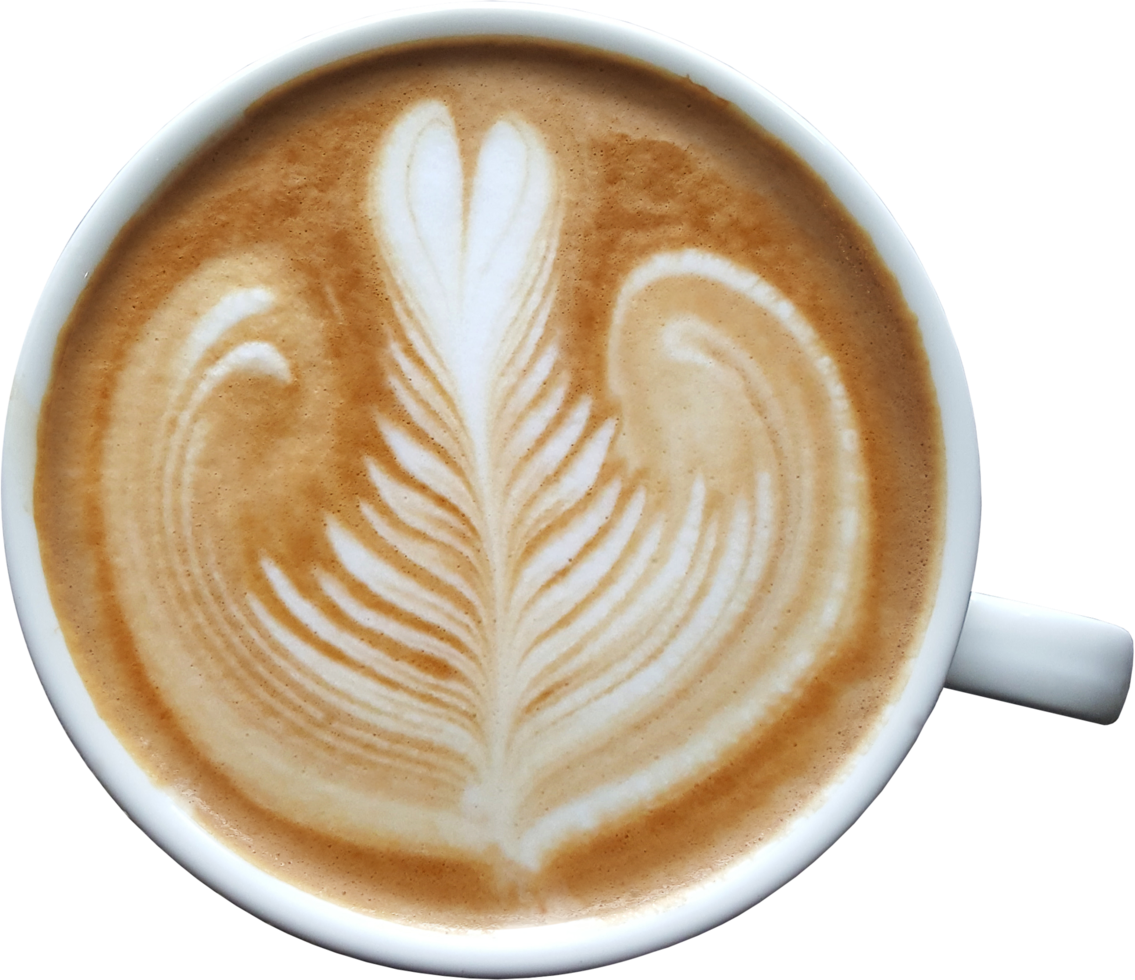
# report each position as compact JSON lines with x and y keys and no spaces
{"x":650,"y":163}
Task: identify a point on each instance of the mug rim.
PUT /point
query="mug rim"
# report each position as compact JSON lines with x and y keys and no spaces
{"x":532,"y":950}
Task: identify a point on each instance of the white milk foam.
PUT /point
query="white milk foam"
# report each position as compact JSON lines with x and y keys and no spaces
{"x":546,"y":619}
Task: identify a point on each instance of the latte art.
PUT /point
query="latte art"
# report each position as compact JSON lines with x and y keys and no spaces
{"x":492,"y":503}
{"x":529,"y":583}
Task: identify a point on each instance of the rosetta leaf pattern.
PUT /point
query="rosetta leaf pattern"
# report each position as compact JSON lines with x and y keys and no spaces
{"x":486,"y":655}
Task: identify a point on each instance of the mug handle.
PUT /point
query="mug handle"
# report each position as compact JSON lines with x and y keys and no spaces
{"x":1023,"y":654}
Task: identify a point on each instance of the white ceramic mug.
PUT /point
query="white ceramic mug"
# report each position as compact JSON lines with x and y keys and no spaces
{"x":591,"y":949}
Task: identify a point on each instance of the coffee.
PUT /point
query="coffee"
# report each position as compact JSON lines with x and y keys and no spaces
{"x":494,"y":483}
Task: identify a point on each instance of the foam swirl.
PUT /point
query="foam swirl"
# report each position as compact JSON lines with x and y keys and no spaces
{"x":542,"y":616}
